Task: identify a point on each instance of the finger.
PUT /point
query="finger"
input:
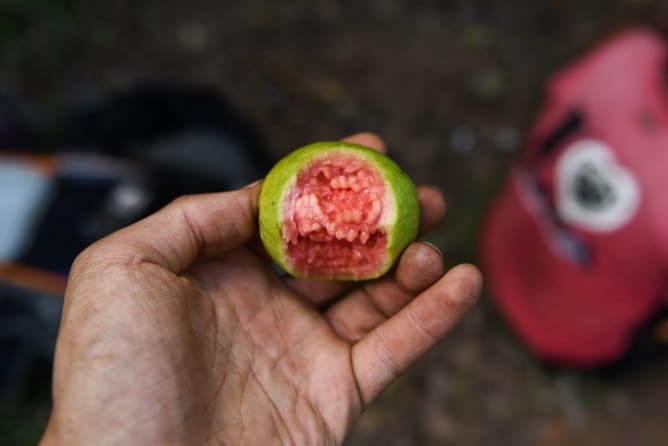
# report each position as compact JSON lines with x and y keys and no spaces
{"x":432,"y":208}
{"x":383,"y":354}
{"x":367,"y":307}
{"x":189,"y":227}
{"x":368,"y":139}
{"x":317,"y":291}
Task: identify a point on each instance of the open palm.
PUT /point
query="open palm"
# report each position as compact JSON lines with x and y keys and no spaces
{"x":177,"y":330}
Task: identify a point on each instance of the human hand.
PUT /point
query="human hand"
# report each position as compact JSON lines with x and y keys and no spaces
{"x":176,"y":330}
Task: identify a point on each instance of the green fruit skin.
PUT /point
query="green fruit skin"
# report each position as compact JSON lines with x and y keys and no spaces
{"x":283,"y":175}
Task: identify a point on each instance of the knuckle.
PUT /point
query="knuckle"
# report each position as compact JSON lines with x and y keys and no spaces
{"x":85,"y":258}
{"x":182,"y":201}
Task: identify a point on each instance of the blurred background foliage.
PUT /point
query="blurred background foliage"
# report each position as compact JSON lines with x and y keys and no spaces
{"x":452,"y":86}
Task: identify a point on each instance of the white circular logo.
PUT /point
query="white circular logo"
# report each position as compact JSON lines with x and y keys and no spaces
{"x":594,"y":191}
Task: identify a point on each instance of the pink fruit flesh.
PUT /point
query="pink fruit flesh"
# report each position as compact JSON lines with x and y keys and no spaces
{"x":332,"y":217}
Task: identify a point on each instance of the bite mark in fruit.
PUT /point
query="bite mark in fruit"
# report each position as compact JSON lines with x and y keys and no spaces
{"x":336,"y":210}
{"x":333,"y":217}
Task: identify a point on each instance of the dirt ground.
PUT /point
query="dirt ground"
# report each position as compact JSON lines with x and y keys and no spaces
{"x":451,"y":85}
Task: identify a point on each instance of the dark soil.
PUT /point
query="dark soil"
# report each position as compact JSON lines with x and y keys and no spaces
{"x":451,"y":85}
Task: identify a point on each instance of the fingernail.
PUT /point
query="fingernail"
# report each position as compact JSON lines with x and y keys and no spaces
{"x":253,"y":184}
{"x":436,"y":248}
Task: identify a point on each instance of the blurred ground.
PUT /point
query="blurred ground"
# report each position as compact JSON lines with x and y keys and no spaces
{"x":451,"y":85}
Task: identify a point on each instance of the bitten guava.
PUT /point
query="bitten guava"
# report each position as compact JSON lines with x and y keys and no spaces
{"x":336,"y":210}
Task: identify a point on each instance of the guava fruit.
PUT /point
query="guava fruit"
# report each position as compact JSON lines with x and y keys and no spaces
{"x":336,"y":210}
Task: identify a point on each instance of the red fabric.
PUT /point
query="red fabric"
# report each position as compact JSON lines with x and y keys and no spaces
{"x":585,"y":315}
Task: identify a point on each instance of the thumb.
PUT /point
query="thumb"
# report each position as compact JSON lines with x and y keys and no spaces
{"x":189,"y":227}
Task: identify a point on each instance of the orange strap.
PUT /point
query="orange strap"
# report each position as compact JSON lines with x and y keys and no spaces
{"x":33,"y":278}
